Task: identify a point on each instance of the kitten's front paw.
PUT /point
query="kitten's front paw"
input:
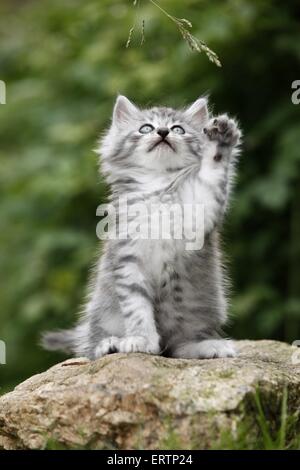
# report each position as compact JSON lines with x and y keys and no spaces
{"x":223,"y":130}
{"x":107,"y":346}
{"x":213,"y":348}
{"x":138,"y":344}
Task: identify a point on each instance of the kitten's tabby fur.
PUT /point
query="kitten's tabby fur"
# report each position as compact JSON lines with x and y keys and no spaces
{"x":154,"y":296}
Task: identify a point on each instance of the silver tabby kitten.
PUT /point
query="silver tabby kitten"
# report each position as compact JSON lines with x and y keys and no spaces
{"x":154,"y":296}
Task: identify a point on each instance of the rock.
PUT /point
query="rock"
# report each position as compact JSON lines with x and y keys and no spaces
{"x":138,"y":401}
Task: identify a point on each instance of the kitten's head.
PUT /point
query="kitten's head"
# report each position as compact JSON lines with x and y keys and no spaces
{"x":153,"y":139}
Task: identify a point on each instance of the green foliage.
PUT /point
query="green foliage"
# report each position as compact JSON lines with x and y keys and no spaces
{"x":279,"y":441}
{"x":285,"y":435}
{"x":184,"y":26}
{"x":63,"y":62}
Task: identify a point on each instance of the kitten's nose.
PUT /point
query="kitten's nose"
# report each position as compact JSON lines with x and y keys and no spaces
{"x":163,"y":132}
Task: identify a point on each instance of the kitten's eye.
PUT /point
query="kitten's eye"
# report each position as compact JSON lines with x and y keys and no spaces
{"x":146,"y":129}
{"x":178,"y":130}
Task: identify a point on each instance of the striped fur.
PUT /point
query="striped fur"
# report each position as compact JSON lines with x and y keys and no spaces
{"x":154,"y":296}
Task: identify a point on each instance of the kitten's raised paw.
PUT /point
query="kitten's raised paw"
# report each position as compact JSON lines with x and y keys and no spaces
{"x":107,"y":346}
{"x":213,"y":348}
{"x":223,"y":130}
{"x":137,"y":344}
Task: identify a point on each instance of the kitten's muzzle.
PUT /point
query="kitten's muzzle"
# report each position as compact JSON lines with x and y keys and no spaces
{"x":161,"y":142}
{"x":163,"y":132}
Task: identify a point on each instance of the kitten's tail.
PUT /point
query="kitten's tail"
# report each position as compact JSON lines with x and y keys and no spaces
{"x":62,"y":340}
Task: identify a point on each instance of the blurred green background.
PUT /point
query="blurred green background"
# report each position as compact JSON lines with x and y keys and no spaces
{"x":63,"y":62}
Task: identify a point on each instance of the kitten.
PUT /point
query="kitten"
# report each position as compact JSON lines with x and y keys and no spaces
{"x":154,"y":296}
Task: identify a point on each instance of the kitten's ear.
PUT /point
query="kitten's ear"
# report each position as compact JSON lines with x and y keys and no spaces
{"x":124,"y":111}
{"x":198,"y":113}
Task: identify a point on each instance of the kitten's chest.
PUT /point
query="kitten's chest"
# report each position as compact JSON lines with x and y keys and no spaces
{"x":155,"y":185}
{"x":162,"y":258}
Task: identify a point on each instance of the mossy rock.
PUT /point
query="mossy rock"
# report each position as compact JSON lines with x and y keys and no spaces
{"x":138,"y":401}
